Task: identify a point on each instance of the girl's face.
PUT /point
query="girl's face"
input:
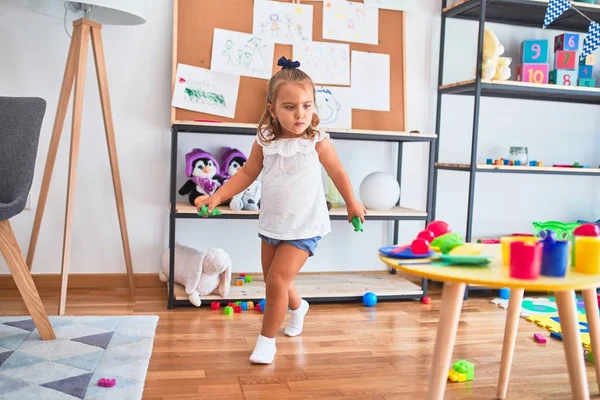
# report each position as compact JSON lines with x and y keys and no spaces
{"x":293,"y":108}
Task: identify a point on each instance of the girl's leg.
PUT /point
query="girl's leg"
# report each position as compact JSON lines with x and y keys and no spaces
{"x":267,"y":254}
{"x":286,"y":263}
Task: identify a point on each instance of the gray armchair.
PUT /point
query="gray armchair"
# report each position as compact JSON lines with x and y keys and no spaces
{"x":20,"y":124}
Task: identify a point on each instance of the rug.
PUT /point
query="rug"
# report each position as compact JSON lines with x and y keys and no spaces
{"x":86,"y":349}
{"x":543,"y":312}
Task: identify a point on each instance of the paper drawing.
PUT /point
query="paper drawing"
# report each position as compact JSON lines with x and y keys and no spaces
{"x":350,"y":22}
{"x":333,"y":106}
{"x":370,"y":81}
{"x":326,"y":63}
{"x":242,"y":54}
{"x":397,"y":5}
{"x":203,"y":90}
{"x":285,"y":23}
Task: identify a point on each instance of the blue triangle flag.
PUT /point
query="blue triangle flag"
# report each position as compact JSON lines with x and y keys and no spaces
{"x":591,"y":41}
{"x":555,"y":9}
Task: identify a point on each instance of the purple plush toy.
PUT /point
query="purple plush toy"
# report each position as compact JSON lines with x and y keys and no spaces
{"x":203,"y":170}
{"x":231,"y":161}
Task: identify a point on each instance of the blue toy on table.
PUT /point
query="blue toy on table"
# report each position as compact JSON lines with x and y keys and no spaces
{"x":389,"y":251}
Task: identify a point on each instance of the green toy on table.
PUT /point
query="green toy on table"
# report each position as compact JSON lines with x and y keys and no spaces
{"x":204,"y":211}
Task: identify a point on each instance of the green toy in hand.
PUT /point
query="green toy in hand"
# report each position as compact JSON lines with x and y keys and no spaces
{"x":204,"y":211}
{"x":357,"y":224}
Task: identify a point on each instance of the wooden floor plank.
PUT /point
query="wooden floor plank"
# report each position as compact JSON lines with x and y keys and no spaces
{"x":347,"y":351}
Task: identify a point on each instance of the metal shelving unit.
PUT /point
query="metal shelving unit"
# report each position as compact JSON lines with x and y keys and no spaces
{"x":183,"y":210}
{"x":509,"y":12}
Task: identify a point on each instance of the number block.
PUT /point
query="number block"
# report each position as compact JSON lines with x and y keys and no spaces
{"x":565,"y":59}
{"x":534,"y":73}
{"x":586,"y":82}
{"x":589,"y":60}
{"x":563,"y":77}
{"x":534,"y":52}
{"x":586,"y":71}
{"x":566,"y":41}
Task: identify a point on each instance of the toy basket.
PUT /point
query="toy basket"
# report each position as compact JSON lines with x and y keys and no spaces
{"x":563,"y":230}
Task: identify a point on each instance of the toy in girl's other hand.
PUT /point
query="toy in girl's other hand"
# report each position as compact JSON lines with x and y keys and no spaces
{"x":200,"y":273}
{"x":204,"y":211}
{"x":203,"y":170}
{"x":493,"y":66}
{"x":357,"y":224}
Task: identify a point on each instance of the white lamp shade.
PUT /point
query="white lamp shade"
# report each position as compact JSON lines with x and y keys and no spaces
{"x":106,"y":12}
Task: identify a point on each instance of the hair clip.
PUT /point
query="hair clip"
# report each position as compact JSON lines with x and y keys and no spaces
{"x":287,"y":63}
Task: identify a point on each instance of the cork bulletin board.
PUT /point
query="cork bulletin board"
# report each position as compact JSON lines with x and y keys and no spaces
{"x":194,"y":22}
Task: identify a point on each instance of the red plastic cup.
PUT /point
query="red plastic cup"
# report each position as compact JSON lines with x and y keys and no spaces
{"x":525,"y":260}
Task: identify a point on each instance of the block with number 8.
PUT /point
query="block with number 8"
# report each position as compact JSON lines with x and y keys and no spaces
{"x":565,"y":59}
{"x":563,"y":77}
{"x":534,"y":51}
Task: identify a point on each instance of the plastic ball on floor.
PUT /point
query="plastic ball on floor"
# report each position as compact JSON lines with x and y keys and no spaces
{"x":369,"y":299}
{"x":504,"y":293}
{"x":263,"y":304}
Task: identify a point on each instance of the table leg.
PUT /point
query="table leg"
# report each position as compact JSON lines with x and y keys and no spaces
{"x":567,"y":313}
{"x":591,"y":311}
{"x":452,"y":298}
{"x":510,"y":337}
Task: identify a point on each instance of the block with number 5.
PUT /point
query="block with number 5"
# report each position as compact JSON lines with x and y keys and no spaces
{"x":534,"y":73}
{"x":534,"y":52}
{"x":563,"y":77}
{"x":566,"y":41}
{"x":565,"y":59}
{"x":587,"y":82}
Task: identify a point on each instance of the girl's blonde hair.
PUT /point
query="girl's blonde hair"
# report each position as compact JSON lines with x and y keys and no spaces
{"x":288,"y":74}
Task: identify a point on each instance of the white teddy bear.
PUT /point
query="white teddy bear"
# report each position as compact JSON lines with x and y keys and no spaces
{"x":200,"y":273}
{"x":249,"y":199}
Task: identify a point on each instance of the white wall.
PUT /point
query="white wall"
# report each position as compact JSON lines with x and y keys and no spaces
{"x":34,"y":49}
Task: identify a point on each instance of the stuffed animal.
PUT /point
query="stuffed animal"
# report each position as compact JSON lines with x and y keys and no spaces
{"x":231,"y":161}
{"x":203,"y":170}
{"x":200,"y":273}
{"x":493,"y":66}
{"x":249,"y":199}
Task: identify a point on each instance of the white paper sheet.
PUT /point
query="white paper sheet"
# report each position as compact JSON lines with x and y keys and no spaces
{"x":286,"y":23}
{"x":370,"y":81}
{"x":326,"y":63}
{"x":242,"y":54}
{"x":398,"y":5}
{"x":203,"y":90}
{"x":333,"y":106}
{"x":349,"y":21}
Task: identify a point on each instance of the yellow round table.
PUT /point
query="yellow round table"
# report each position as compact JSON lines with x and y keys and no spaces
{"x":495,"y":275}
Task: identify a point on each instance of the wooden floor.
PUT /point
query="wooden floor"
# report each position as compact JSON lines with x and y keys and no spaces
{"x":346,"y":351}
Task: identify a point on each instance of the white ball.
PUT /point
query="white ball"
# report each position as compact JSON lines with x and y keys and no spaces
{"x":379,"y":191}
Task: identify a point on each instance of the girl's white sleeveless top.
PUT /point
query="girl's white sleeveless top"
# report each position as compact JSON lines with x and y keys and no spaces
{"x":292,"y":204}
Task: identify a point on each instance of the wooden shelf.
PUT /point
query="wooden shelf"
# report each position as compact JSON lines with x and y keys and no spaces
{"x":525,"y":90}
{"x":185,"y":210}
{"x":524,"y":13}
{"x":343,"y":134}
{"x":321,"y":287}
{"x":521,"y":169}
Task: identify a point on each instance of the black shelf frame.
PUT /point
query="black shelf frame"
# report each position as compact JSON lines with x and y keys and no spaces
{"x":179,"y":128}
{"x":510,"y":12}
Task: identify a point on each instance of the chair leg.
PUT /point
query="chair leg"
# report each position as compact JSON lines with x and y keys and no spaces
{"x":20,"y":272}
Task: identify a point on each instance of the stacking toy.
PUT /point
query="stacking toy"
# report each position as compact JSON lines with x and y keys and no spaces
{"x":587,"y":254}
{"x":586,"y":230}
{"x":555,"y":256}
{"x":525,"y":260}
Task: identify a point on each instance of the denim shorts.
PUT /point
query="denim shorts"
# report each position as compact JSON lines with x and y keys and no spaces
{"x":309,"y":245}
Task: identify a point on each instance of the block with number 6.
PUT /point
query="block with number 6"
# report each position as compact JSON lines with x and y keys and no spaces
{"x":534,"y":52}
{"x":565,"y":59}
{"x":534,"y":73}
{"x":563,"y":77}
{"x":566,"y":41}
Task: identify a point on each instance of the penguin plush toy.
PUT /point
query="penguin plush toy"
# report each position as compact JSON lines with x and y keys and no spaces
{"x":231,"y":161}
{"x":203,"y":170}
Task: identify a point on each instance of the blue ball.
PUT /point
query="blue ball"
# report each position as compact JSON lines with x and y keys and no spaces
{"x":263,"y":304}
{"x":369,"y":299}
{"x":504,"y":293}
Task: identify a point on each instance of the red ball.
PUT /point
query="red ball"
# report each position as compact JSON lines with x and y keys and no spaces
{"x":587,"y":230}
{"x":439,"y":228}
{"x":427,"y":235}
{"x":419,"y":246}
{"x":425,"y":300}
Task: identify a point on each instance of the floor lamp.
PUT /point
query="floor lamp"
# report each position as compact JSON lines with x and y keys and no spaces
{"x":90,"y":15}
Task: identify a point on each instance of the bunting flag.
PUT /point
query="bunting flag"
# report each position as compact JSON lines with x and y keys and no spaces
{"x":555,"y":9}
{"x":592,"y":40}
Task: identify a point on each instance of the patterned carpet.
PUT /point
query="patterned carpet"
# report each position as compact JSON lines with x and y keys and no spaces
{"x":86,"y":350}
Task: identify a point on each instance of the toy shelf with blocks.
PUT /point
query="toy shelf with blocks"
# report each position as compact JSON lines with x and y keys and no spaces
{"x":322,"y":286}
{"x":564,"y":79}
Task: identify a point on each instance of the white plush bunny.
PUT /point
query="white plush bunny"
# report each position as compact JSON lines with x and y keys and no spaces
{"x":200,"y":273}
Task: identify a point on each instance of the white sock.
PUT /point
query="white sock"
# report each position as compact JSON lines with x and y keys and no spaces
{"x":264,"y":351}
{"x":297,"y":319}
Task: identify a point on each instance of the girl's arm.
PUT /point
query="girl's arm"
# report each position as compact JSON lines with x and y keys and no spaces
{"x":238,"y":182}
{"x":336,"y":172}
